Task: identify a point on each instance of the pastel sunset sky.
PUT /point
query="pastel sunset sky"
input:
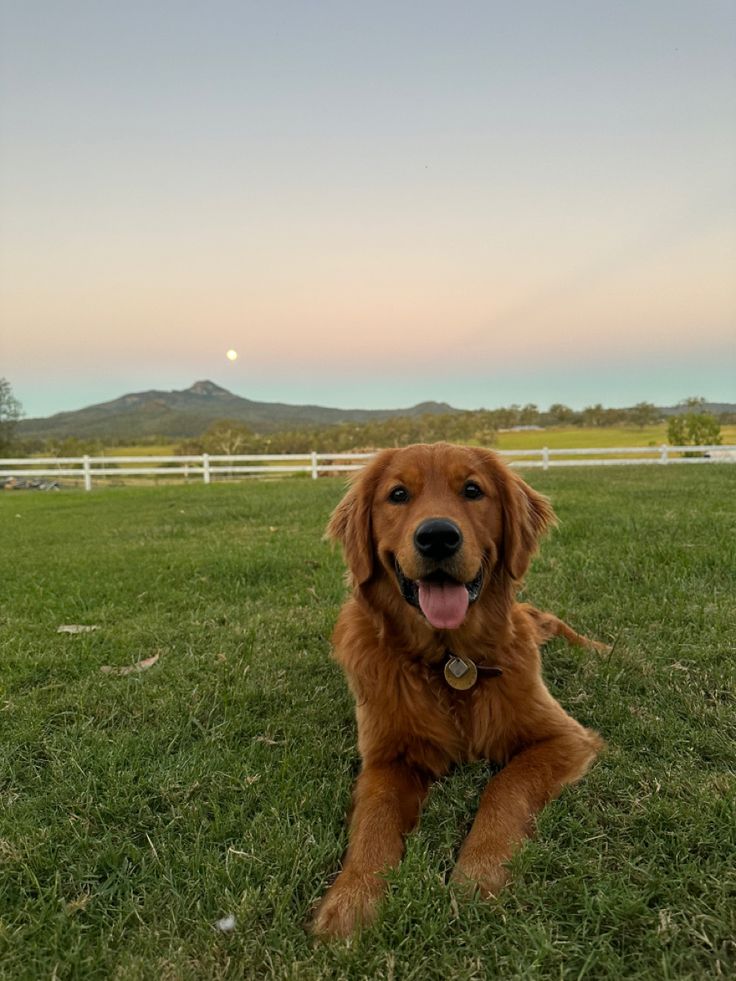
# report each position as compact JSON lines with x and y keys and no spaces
{"x":373,"y":203}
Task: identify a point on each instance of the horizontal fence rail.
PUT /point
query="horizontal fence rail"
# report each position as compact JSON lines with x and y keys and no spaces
{"x":208,"y":466}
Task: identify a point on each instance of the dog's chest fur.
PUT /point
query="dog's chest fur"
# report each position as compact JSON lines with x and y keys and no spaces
{"x":405,"y":708}
{"x":428,"y":723}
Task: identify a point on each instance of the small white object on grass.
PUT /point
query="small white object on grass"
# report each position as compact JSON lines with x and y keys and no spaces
{"x":143,"y":665}
{"x":226,"y":924}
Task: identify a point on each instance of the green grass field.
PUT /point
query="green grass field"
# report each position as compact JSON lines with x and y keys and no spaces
{"x":580,"y":437}
{"x":137,"y":810}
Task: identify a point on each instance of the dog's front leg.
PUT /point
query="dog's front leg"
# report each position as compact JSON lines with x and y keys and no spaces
{"x":387,"y":801}
{"x":512,"y":799}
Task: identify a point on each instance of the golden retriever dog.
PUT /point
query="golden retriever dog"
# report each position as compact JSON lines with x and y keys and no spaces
{"x":444,"y":664}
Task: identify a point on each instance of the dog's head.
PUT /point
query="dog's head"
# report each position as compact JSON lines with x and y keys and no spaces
{"x":442,"y":524}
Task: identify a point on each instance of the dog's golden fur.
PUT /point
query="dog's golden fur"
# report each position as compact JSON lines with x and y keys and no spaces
{"x":412,"y":727}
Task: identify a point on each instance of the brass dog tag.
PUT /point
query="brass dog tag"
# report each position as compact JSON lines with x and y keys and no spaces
{"x":459,"y":673}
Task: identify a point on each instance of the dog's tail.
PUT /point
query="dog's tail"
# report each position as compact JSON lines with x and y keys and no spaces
{"x":549,"y":626}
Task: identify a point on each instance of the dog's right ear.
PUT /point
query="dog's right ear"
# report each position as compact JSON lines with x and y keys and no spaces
{"x":350,"y":525}
{"x":350,"y":522}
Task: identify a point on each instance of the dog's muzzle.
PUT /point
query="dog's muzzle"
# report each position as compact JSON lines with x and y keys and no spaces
{"x":436,"y":596}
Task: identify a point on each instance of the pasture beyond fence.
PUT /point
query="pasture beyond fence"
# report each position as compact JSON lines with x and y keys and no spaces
{"x":208,"y":467}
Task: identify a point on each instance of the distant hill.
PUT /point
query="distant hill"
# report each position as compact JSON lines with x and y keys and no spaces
{"x":190,"y":412}
{"x":714,"y":408}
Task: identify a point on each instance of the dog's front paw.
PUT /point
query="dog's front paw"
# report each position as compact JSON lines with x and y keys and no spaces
{"x":349,"y":904}
{"x":481,"y":871}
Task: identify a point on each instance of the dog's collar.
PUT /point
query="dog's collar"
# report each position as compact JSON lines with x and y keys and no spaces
{"x":461,"y":673}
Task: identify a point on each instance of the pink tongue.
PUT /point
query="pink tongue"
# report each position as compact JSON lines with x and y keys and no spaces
{"x":443,"y":604}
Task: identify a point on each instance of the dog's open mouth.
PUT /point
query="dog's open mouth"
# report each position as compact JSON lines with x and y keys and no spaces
{"x":443,"y":600}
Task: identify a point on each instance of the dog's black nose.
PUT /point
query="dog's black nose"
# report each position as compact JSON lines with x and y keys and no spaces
{"x":438,"y":538}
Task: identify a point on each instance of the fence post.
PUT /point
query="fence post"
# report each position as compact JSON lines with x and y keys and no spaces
{"x":663,"y":458}
{"x":314,"y":465}
{"x":545,"y":458}
{"x":87,"y":473}
{"x":206,"y":467}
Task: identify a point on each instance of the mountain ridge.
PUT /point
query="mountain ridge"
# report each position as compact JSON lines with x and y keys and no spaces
{"x":189,"y":412}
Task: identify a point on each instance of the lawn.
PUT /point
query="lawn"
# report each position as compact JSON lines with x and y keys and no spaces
{"x":137,"y":810}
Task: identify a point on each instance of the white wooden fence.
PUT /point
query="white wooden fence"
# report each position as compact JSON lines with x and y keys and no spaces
{"x":208,"y":467}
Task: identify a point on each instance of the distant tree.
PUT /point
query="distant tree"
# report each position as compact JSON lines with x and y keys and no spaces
{"x":10,"y":412}
{"x":694,"y":429}
{"x":72,"y":446}
{"x":227,"y":436}
{"x":506,"y":418}
{"x":529,"y":415}
{"x":560,"y":415}
{"x":693,"y":402}
{"x":597,"y":415}
{"x":643,"y":414}
{"x":594,"y":415}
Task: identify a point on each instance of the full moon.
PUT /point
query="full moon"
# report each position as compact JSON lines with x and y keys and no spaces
{"x":231,"y":355}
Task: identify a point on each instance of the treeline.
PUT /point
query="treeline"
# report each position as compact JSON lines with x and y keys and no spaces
{"x":479,"y":427}
{"x":79,"y":446}
{"x":229,"y":436}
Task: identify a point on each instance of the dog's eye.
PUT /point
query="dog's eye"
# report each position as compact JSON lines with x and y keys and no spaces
{"x":472,"y":491}
{"x":399,"y":495}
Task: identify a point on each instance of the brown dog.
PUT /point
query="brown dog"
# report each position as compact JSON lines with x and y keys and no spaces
{"x":444,"y":663}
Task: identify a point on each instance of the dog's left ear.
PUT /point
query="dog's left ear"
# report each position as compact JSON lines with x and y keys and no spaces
{"x":350,"y":522}
{"x":527,"y":516}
